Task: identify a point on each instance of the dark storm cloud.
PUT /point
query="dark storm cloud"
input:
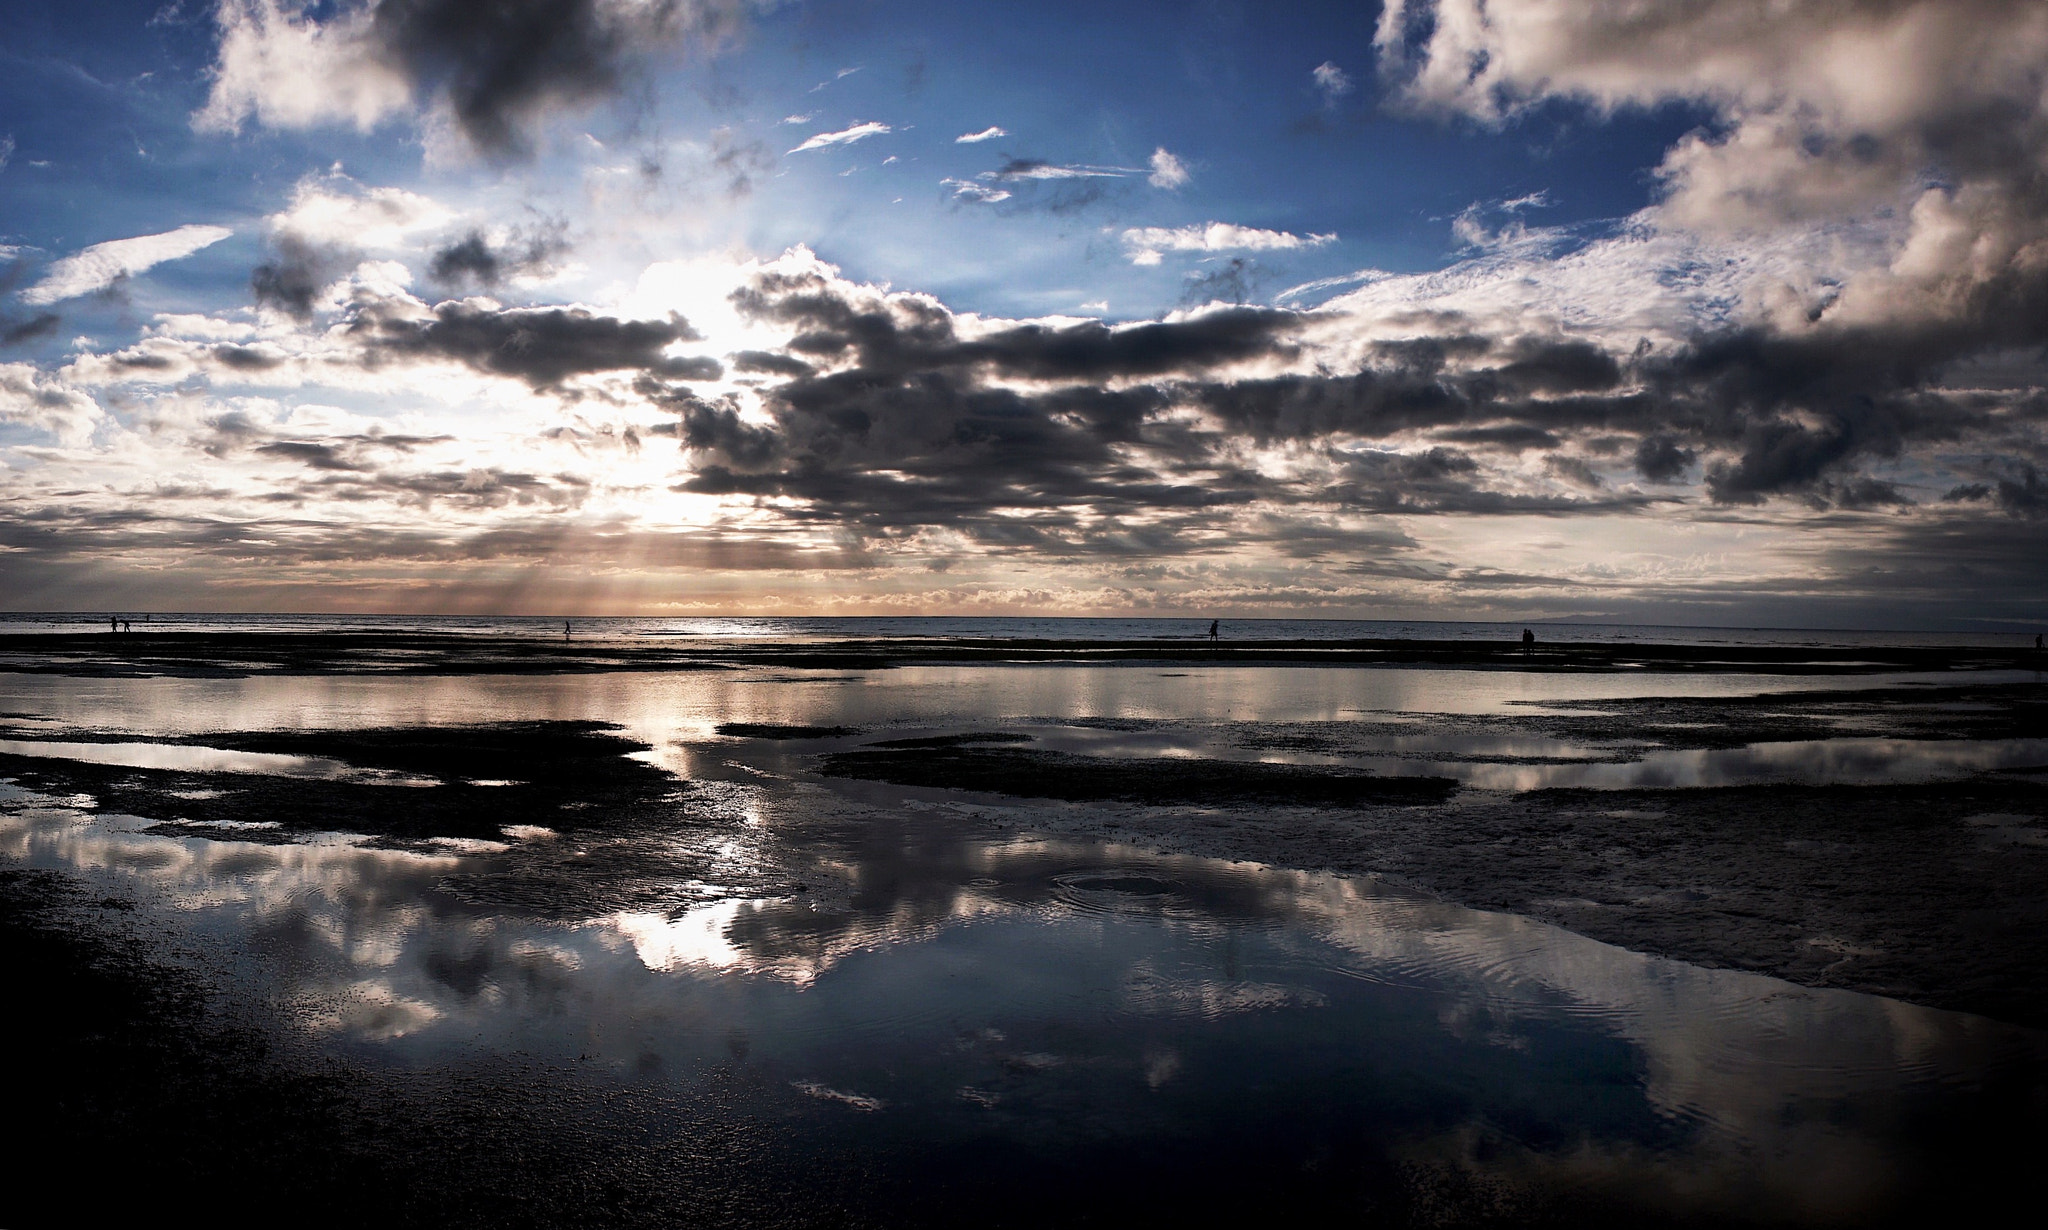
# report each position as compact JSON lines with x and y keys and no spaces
{"x":475,"y":260}
{"x":1661,"y":459}
{"x":907,"y":334}
{"x":542,"y":346}
{"x":16,"y":331}
{"x":502,"y":64}
{"x":1516,"y":437}
{"x":298,"y":270}
{"x":770,"y":363}
{"x":247,"y":358}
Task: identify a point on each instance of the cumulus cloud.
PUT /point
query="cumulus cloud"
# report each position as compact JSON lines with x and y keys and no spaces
{"x":843,"y":136}
{"x":1930,"y":111}
{"x":36,"y":399}
{"x":1146,"y":245}
{"x":331,"y":224}
{"x":1167,"y":170}
{"x":987,"y":134}
{"x":103,"y":264}
{"x":495,"y":68}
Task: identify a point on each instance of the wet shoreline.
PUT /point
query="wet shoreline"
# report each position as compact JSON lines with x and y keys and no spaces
{"x":231,"y":654}
{"x":890,"y":951}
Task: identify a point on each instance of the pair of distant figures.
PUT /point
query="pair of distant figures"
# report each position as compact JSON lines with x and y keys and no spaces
{"x":117,"y":624}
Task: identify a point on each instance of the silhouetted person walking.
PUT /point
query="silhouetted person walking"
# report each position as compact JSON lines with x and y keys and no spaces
{"x":113,"y":624}
{"x":127,"y":625}
{"x":2037,"y":642}
{"x":565,"y":629}
{"x":1214,"y":625}
{"x":1528,"y":640}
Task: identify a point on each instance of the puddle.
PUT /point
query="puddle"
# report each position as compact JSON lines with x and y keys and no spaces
{"x":1819,"y":762}
{"x":184,"y":758}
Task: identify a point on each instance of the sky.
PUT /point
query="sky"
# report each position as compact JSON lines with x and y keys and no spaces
{"x":1717,"y":312}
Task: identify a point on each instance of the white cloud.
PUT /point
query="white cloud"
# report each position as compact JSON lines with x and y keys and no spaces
{"x":103,"y":264}
{"x":336,"y":210}
{"x":283,"y":69}
{"x":987,"y":134}
{"x":1332,"y":81}
{"x":1146,"y":244}
{"x":1932,"y":111}
{"x":845,"y":136}
{"x":6,"y":150}
{"x":36,"y":399}
{"x":1167,"y":170}
{"x":805,"y":118}
{"x":978,"y":193}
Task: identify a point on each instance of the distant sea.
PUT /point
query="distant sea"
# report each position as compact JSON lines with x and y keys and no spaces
{"x":797,"y":629}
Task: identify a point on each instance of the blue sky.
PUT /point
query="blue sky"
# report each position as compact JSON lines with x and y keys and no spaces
{"x":1529,"y":309}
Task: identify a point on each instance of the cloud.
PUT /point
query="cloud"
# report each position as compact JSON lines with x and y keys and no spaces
{"x":987,"y":134}
{"x":479,"y":260}
{"x":324,"y":233}
{"x":1145,"y":245}
{"x":497,"y":69}
{"x":6,"y":150}
{"x":805,"y":118}
{"x":38,"y":400}
{"x":1167,"y":170}
{"x":981,"y":194}
{"x":1331,"y":82}
{"x":1926,"y":120}
{"x":15,"y":331}
{"x":103,"y":264}
{"x":542,"y":346}
{"x":1038,"y":168}
{"x":844,"y":136}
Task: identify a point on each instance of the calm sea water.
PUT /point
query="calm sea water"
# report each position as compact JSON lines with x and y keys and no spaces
{"x":786,"y":629}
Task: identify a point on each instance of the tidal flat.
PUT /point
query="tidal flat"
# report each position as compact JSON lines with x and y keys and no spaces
{"x":469,"y":930}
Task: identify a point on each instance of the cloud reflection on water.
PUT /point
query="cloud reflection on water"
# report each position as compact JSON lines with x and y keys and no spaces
{"x":944,"y":962}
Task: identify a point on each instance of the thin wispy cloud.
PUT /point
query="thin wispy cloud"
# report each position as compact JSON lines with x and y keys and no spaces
{"x":980,"y":194}
{"x":841,"y":75}
{"x":1034,"y":168}
{"x":987,"y":134}
{"x":103,"y":264}
{"x":844,"y":136}
{"x":1331,"y":82}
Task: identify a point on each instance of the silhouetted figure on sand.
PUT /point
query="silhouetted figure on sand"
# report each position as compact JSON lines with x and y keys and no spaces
{"x":1214,"y":625}
{"x":113,"y":623}
{"x":565,"y":629}
{"x":127,"y":625}
{"x":1528,"y":640}
{"x":2037,"y":642}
